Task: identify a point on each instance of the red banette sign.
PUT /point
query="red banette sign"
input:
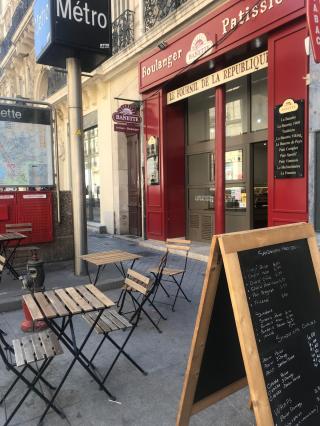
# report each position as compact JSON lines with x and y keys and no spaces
{"x":313,"y":18}
{"x":237,"y":21}
{"x":127,"y":119}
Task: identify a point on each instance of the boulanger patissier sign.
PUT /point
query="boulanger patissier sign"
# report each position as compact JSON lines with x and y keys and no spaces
{"x":232,"y":22}
{"x":72,"y":28}
{"x":313,"y":18}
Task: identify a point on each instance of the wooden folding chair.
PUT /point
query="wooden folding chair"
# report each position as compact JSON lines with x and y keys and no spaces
{"x":23,"y":353}
{"x":140,"y":291}
{"x":174,"y":275}
{"x":111,"y":321}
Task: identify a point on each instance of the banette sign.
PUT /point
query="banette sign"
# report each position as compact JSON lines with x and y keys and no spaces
{"x":232,"y":22}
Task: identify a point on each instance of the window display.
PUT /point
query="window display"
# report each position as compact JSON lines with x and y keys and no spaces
{"x":234,"y":165}
{"x":236,"y":197}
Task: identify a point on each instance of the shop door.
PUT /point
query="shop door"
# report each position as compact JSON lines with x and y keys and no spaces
{"x":200,"y":167}
{"x":260,"y":188}
{"x":134,"y":194}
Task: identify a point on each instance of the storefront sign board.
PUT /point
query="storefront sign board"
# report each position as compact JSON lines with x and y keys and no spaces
{"x":313,"y":18}
{"x":235,"y":22}
{"x":127,"y":119}
{"x":289,"y":140}
{"x":248,"y":66}
{"x":72,"y":28}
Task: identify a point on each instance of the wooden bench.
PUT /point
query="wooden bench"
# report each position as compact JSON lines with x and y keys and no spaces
{"x":23,"y":253}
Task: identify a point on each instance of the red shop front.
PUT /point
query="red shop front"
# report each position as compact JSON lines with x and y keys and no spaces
{"x":226,"y":122}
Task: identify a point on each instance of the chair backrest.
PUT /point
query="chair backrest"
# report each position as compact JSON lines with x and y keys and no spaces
{"x":138,"y":282}
{"x":179,"y":246}
{"x":143,"y":285}
{"x":19,"y":227}
{"x":2,"y":263}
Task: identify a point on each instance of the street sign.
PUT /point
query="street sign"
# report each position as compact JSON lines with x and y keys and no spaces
{"x":72,"y":28}
{"x":313,"y":18}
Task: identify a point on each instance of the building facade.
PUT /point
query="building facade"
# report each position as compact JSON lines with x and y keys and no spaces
{"x":230,"y":106}
{"x":210,"y":78}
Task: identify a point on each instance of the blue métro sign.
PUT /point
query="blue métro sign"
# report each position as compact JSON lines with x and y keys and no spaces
{"x":42,"y":26}
{"x":72,"y":28}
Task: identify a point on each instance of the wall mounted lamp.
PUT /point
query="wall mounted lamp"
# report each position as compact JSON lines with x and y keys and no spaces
{"x":162,"y":45}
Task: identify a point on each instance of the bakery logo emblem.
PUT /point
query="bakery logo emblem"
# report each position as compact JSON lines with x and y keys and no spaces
{"x":200,"y":47}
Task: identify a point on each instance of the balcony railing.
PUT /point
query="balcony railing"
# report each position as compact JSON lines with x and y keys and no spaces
{"x":122,"y":31}
{"x":17,"y":17}
{"x":156,"y":10}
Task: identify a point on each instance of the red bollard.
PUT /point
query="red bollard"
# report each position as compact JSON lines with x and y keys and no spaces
{"x":28,"y":325}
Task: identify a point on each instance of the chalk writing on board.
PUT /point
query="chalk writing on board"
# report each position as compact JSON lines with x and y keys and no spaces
{"x":284,"y":302}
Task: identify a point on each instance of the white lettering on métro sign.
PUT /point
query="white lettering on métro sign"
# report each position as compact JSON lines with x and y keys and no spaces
{"x":81,"y":13}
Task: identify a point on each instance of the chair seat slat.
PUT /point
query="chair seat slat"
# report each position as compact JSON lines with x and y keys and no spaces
{"x":37,"y":347}
{"x":27,"y":347}
{"x":18,"y":352}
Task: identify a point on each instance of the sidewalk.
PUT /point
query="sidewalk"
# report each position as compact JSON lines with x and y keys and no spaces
{"x":143,"y":401}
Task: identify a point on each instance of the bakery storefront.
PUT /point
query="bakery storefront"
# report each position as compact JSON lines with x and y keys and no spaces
{"x":225,"y":122}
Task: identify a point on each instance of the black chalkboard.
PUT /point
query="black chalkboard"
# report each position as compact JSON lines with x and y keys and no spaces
{"x":289,"y":141}
{"x":283,"y":297}
{"x":222,"y":362}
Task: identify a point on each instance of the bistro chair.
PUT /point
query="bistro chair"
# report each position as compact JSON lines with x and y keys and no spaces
{"x":111,"y":321}
{"x":23,"y":353}
{"x":175,"y":275}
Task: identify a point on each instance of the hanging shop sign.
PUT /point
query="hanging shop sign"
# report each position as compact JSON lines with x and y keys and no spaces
{"x":289,"y":139}
{"x":313,"y":18}
{"x":248,"y":66}
{"x":232,"y":24}
{"x":72,"y":28}
{"x":127,"y":119}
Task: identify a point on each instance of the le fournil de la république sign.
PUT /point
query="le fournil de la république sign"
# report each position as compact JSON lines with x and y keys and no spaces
{"x":72,"y":28}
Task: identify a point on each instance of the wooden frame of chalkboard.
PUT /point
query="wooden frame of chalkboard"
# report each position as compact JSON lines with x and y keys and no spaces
{"x":294,"y":249}
{"x":215,"y":347}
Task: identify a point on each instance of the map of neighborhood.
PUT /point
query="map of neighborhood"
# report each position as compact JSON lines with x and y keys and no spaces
{"x":25,"y":154}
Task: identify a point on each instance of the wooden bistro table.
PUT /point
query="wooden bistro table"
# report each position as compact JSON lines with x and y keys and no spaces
{"x":104,"y":258}
{"x":10,"y":240}
{"x":58,"y":308}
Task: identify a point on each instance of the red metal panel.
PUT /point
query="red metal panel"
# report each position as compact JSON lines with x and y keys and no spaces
{"x":288,"y":67}
{"x":155,"y":226}
{"x":8,"y":209}
{"x":175,"y":170}
{"x":36,"y":208}
{"x":250,"y":18}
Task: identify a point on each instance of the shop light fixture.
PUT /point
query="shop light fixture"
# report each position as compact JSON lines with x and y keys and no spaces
{"x":162,"y":45}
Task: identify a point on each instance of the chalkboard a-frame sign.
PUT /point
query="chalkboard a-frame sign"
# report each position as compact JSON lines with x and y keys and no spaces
{"x":273,"y":277}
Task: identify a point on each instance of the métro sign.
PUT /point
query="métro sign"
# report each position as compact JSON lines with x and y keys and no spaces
{"x":72,"y":28}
